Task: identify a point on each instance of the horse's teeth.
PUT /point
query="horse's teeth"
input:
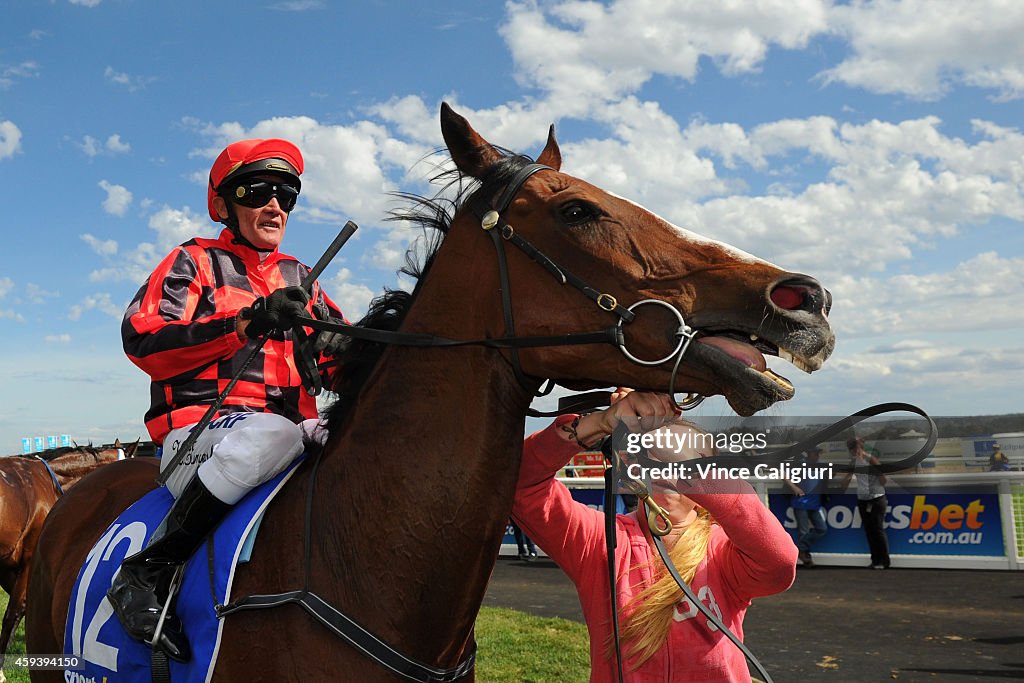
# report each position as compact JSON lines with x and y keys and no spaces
{"x":753,"y":337}
{"x":798,"y":363}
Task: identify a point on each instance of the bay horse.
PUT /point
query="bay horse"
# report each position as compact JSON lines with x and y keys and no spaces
{"x":415,"y":483}
{"x":27,"y":492}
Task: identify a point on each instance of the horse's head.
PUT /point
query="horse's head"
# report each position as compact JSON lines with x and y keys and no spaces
{"x":742,"y":308}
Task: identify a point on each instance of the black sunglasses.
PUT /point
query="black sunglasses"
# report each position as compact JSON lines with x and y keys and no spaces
{"x":258,"y":193}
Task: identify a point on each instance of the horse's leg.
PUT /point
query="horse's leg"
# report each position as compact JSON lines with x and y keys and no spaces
{"x":15,"y":611}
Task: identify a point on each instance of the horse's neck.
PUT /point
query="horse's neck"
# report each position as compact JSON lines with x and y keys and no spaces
{"x":428,"y":464}
{"x":70,"y":469}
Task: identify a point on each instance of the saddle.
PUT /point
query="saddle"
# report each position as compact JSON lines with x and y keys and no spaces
{"x":92,"y":632}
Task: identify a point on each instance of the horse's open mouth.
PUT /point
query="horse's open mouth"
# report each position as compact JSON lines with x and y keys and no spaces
{"x":739,"y":359}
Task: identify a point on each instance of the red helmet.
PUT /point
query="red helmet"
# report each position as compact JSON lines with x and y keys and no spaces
{"x":248,"y":157}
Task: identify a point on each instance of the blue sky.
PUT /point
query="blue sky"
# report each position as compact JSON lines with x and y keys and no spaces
{"x":877,"y":146}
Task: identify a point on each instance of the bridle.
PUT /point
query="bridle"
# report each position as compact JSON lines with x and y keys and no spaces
{"x":494,"y":223}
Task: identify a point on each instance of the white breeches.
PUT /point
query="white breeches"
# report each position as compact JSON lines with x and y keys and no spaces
{"x":237,"y":452}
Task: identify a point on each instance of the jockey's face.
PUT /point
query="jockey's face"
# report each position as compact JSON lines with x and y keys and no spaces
{"x":264,"y":226}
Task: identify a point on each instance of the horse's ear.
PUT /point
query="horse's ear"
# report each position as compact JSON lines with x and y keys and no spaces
{"x":471,"y":153}
{"x":117,"y":443}
{"x":551,"y":156}
{"x":133,"y":448}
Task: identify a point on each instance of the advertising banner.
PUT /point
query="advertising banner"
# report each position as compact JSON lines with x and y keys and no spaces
{"x":967,"y":524}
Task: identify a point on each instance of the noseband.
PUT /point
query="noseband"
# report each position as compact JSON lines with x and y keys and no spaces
{"x":501,"y":231}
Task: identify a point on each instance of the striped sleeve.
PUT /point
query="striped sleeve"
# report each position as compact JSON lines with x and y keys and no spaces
{"x":172,"y":326}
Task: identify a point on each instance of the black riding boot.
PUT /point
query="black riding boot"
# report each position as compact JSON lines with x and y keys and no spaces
{"x":141,"y":587}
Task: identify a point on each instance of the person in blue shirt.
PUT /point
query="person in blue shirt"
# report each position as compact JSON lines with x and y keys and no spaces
{"x":807,"y":509}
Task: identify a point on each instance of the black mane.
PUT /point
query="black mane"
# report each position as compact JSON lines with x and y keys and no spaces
{"x":433,"y":216}
{"x":52,"y":453}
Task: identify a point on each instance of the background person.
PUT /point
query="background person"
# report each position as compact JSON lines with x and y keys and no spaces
{"x":527,"y":551}
{"x":871,"y":502}
{"x":726,"y":545}
{"x":808,"y":509}
{"x":998,"y":461}
{"x":190,"y":328}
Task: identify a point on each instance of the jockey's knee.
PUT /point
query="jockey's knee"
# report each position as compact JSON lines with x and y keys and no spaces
{"x":254,"y":452}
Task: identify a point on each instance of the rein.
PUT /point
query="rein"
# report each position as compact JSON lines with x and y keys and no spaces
{"x":660,"y":525}
{"x":501,"y":231}
{"x":342,"y":625}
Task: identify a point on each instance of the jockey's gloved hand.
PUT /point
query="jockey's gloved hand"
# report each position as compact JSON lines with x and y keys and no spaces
{"x":281,"y":310}
{"x":327,"y":342}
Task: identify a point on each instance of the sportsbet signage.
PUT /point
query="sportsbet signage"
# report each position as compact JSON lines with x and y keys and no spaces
{"x":916,"y":524}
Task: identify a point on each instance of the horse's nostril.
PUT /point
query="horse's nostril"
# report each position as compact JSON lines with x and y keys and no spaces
{"x":788,"y":298}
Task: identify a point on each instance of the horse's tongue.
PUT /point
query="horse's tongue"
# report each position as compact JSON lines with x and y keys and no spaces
{"x":744,"y":353}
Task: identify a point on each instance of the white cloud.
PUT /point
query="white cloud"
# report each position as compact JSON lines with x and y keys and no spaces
{"x":922,"y":49}
{"x":584,"y":52}
{"x":9,"y":74}
{"x":86,"y":3}
{"x":132,"y":83}
{"x":172,"y":227}
{"x":90,"y":146}
{"x":352,"y":298}
{"x":37,"y":295}
{"x":979,"y":294}
{"x":10,"y":139}
{"x":58,"y":338}
{"x":99,"y":302}
{"x":298,"y":5}
{"x":865,"y":196}
{"x":101,"y":247}
{"x":118,"y":198}
{"x":6,"y":287}
{"x":114,"y":145}
{"x":388,"y":254}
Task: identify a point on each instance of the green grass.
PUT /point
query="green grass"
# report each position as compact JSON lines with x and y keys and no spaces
{"x":513,"y":647}
{"x":17,"y":648}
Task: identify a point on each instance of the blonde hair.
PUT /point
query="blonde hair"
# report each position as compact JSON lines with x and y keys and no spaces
{"x":650,"y":614}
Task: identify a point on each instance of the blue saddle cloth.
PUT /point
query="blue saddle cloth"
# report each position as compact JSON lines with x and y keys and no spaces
{"x":93,"y":633}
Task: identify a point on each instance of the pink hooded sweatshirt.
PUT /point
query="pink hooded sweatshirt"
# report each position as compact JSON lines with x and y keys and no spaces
{"x":749,"y":555}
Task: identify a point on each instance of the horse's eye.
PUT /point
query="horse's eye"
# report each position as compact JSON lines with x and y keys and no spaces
{"x":578,"y":212}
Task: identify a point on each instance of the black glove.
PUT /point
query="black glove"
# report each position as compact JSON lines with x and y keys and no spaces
{"x":279,"y":311}
{"x":327,"y":342}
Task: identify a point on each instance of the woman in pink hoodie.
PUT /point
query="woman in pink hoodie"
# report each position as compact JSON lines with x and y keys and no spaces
{"x":725,"y":543}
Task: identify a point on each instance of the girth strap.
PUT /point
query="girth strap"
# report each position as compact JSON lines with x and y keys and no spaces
{"x":355,"y":635}
{"x":343,"y":626}
{"x":53,"y":475}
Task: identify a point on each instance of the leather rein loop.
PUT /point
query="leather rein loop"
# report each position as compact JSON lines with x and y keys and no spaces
{"x":616,"y":471}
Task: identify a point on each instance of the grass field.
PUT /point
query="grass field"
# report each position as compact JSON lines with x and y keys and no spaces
{"x":513,"y":647}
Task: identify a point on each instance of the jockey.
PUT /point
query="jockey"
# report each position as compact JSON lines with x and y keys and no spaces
{"x":190,"y":328}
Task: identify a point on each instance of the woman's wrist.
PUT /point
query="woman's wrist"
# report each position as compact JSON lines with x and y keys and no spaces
{"x":586,"y":430}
